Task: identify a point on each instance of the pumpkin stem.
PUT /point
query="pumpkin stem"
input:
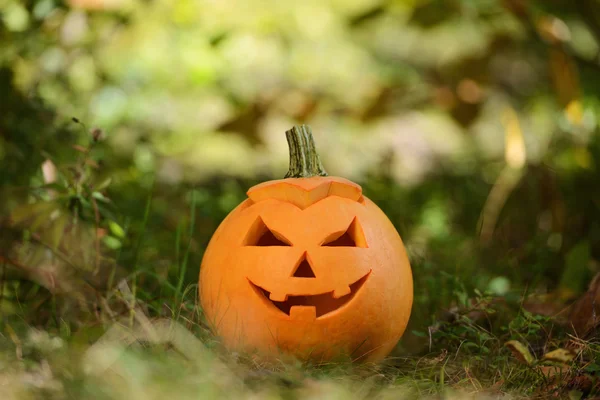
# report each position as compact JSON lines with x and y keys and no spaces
{"x":304,"y":159}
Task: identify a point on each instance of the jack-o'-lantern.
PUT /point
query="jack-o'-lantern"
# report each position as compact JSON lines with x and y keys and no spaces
{"x":307,"y":266}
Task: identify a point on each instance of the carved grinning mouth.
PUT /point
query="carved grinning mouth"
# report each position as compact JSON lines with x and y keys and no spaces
{"x":319,"y":304}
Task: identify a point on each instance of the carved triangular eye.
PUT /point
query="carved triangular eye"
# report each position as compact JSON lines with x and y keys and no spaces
{"x":351,"y":237}
{"x":259,"y":234}
{"x":345,"y":241}
{"x":269,"y":239}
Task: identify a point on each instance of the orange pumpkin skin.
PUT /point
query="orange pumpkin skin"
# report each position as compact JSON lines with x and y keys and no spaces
{"x":371,"y":277}
{"x":307,"y":266}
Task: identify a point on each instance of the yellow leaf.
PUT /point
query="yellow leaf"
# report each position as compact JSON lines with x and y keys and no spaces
{"x":559,"y":355}
{"x":514,"y":151}
{"x":520,"y":351}
{"x":574,"y":112}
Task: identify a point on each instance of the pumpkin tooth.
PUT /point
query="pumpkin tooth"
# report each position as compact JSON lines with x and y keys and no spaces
{"x":305,"y":313}
{"x":279,"y":297}
{"x":337,"y":293}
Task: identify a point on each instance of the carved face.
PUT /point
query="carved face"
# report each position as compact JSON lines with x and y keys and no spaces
{"x":308,"y":266}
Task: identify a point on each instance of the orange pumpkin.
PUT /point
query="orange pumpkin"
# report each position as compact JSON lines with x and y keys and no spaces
{"x":307,"y":266}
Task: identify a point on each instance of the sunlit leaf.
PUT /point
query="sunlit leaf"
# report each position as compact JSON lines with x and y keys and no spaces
{"x":574,"y":112}
{"x":559,"y":355}
{"x":15,"y":16}
{"x":99,"y":196}
{"x":553,"y":29}
{"x":520,"y":351}
{"x":514,"y":151}
{"x":499,"y":285}
{"x":112,"y":242}
{"x":116,"y":229}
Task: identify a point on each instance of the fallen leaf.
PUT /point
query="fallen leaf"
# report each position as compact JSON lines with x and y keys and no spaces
{"x":584,"y":317}
{"x":520,"y":351}
{"x":581,"y":383}
{"x":559,"y":355}
{"x":555,"y":370}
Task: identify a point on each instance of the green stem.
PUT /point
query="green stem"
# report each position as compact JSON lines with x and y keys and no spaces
{"x":304,"y":159}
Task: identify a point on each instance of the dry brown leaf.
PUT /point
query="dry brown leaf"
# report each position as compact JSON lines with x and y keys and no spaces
{"x":581,"y":383}
{"x":585,"y":312}
{"x":552,"y":371}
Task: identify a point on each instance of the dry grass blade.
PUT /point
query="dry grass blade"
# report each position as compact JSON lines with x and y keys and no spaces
{"x":516,"y":158}
{"x":107,"y":350}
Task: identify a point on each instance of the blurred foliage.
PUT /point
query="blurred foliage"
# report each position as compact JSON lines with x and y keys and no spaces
{"x":472,"y":124}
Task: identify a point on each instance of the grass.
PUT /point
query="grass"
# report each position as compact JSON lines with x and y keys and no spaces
{"x":177,"y":357}
{"x":172,"y":353}
{"x":134,"y":329}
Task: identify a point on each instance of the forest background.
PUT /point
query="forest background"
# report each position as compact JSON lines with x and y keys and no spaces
{"x":130,"y":128}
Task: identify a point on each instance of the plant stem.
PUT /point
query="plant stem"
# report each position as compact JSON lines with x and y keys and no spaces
{"x":304,"y":159}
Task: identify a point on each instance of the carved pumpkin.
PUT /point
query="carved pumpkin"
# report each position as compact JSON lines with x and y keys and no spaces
{"x":307,"y":266}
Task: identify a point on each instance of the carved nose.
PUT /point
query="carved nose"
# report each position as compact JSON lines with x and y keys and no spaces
{"x":304,"y":270}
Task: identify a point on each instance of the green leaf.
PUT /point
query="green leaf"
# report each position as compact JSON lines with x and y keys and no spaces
{"x":112,"y":242}
{"x":103,"y":185}
{"x":499,"y":285}
{"x":100,"y":197}
{"x":116,"y":229}
{"x":592,"y":368}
